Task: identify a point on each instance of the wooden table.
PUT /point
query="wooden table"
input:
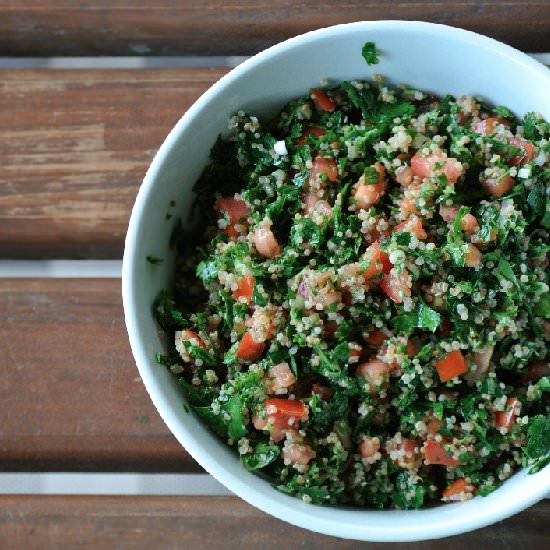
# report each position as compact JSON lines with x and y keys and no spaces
{"x":74,"y":146}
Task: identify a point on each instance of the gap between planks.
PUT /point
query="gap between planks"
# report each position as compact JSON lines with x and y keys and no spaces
{"x":27,"y":483}
{"x":142,"y":62}
{"x":61,"y":269}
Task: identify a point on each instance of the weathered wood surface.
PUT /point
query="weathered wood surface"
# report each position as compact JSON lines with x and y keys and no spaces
{"x":230,"y":27}
{"x":211,"y":523}
{"x":70,"y":395}
{"x":75,"y":145}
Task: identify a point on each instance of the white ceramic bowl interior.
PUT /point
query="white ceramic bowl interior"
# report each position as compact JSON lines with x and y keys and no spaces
{"x":431,"y":57}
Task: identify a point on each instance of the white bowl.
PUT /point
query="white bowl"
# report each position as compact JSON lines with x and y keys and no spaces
{"x":431,"y":57}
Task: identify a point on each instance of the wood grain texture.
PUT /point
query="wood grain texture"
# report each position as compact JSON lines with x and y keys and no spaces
{"x":216,"y":27}
{"x":211,"y":523}
{"x":70,"y":395}
{"x":75,"y":145}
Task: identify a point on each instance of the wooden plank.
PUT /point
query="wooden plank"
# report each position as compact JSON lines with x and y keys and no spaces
{"x":210,"y":522}
{"x":70,"y":395}
{"x":75,"y":145}
{"x":219,"y":27}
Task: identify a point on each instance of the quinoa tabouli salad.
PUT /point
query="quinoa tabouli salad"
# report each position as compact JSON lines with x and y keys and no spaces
{"x":362,"y":311}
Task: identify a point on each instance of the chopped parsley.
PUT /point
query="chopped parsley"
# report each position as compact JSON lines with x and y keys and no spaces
{"x":370,"y":53}
{"x":154,"y":260}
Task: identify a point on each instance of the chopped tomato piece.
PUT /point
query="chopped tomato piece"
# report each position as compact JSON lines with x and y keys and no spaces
{"x":237,"y":211}
{"x":422,"y":165}
{"x":322,"y":101}
{"x":376,"y":337}
{"x":405,"y":454}
{"x":317,"y":287}
{"x":190,"y":336}
{"x":276,"y":426}
{"x":487,"y":127}
{"x":316,"y":131}
{"x":414,"y":226}
{"x":408,"y":207}
{"x":506,"y":419}
{"x":435,"y":453}
{"x":453,"y":364}
{"x":285,"y":407}
{"x":404,"y":175}
{"x":499,"y":186}
{"x":278,"y":379}
{"x":368,"y":194}
{"x":368,"y":446}
{"x":296,"y":451}
{"x":379,"y":261}
{"x":425,"y":165}
{"x":245,"y":288}
{"x":324,"y":166}
{"x":375,"y":372}
{"x":462,"y":117}
{"x":316,"y":207}
{"x":266,"y":243}
{"x":280,"y":415}
{"x":433,"y":424}
{"x":250,"y":350}
{"x":473,"y":257}
{"x":529,"y":151}
{"x":469,"y":223}
{"x":448,"y":213}
{"x":457,"y":487}
{"x":397,"y":286}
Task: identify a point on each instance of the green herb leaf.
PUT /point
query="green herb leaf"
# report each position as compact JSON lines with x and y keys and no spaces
{"x":542,"y":386}
{"x":402,"y":110}
{"x":172,"y":358}
{"x":198,"y":352}
{"x":504,"y":112}
{"x":538,"y":437}
{"x":489,"y":222}
{"x":423,"y":316}
{"x":168,"y":315}
{"x":504,"y":269}
{"x":409,"y":493}
{"x":457,"y":252}
{"x":366,"y":100}
{"x":371,"y":175}
{"x":327,"y":413}
{"x":331,"y":363}
{"x":196,"y":396}
{"x":214,"y":421}
{"x":263,"y":455}
{"x":542,"y":307}
{"x":154,"y":260}
{"x":457,"y":228}
{"x":370,"y":54}
{"x":235,"y":426}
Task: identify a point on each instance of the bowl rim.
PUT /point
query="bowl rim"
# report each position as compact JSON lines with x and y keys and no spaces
{"x":192,"y":444}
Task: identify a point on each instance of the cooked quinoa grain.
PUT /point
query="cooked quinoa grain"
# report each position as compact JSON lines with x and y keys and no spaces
{"x":363,"y":308}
